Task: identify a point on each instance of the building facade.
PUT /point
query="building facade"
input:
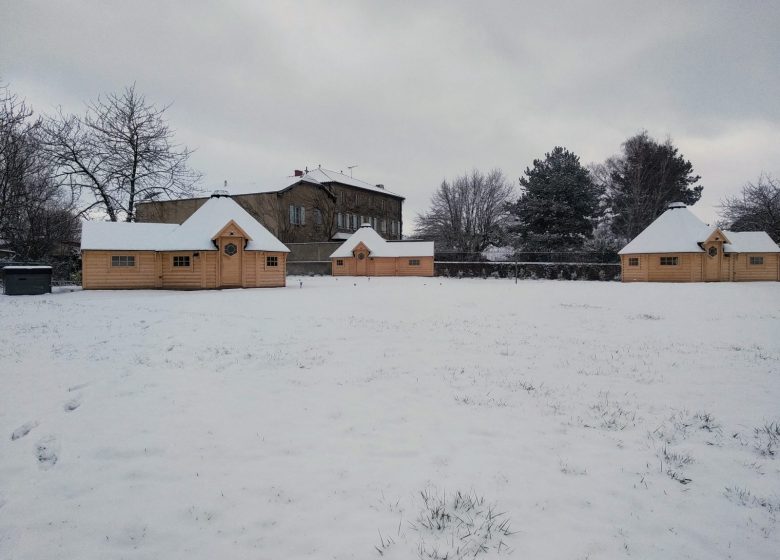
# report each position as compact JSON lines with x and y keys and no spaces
{"x":678,"y":247}
{"x":366,"y":253}
{"x":318,"y":205}
{"x":219,"y":246}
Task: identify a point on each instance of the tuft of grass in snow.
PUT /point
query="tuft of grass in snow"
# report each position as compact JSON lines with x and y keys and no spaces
{"x":745,"y":497}
{"x":673,"y":464}
{"x":766,"y":439}
{"x":451,"y":527}
{"x":611,"y":415}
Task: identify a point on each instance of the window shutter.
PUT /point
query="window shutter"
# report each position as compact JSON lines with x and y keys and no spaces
{"x":303,"y":215}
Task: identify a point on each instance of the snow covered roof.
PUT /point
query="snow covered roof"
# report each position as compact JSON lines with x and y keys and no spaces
{"x":380,"y":247}
{"x":195,"y":234}
{"x":749,"y":242}
{"x":678,"y":231}
{"x":321,"y":175}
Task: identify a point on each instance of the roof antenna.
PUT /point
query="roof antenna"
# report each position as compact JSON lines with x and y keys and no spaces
{"x":225,"y":183}
{"x":351,"y":167}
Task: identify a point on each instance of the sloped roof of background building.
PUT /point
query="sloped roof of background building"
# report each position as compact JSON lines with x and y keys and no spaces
{"x":678,"y":231}
{"x":321,"y":175}
{"x":380,"y":247}
{"x":195,"y":234}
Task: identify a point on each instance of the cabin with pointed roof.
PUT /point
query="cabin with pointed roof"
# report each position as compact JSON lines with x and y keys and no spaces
{"x":679,"y":247}
{"x":366,"y":253}
{"x":219,"y":246}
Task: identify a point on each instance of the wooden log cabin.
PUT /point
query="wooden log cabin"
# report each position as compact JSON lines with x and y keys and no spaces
{"x":679,"y":247}
{"x":219,"y":246}
{"x":366,"y":253}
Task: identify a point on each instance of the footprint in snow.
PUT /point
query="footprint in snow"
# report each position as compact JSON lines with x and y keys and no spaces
{"x":46,"y":452}
{"x":72,"y":404}
{"x":23,"y":430}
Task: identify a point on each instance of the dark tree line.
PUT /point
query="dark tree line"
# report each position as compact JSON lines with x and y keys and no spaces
{"x":56,"y":169}
{"x":566,"y":206}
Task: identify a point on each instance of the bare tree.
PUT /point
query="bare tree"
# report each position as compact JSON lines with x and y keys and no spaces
{"x":120,"y":153}
{"x":756,"y":208}
{"x":35,"y":212}
{"x":467,"y":214}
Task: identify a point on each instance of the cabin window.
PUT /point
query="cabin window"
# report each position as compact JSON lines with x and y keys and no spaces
{"x":633,"y":261}
{"x":272,"y":261}
{"x":414,"y":262}
{"x":339,"y":262}
{"x":181,"y":260}
{"x":231,"y":249}
{"x":123,"y":260}
{"x":668,"y":261}
{"x":757,"y":260}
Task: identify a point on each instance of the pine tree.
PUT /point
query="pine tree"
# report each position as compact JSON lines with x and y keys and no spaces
{"x":559,"y":204}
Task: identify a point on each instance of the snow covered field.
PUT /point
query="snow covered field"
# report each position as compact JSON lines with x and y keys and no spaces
{"x":604,"y":420}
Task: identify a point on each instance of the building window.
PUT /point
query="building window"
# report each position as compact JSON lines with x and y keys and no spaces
{"x":297,"y":215}
{"x":123,"y":260}
{"x":414,"y":262}
{"x":179,"y":260}
{"x":231,"y":249}
{"x":340,"y":220}
{"x":339,"y":262}
{"x":318,"y":216}
{"x":668,"y":261}
{"x":272,"y":261}
{"x":633,"y":261}
{"x":757,"y":260}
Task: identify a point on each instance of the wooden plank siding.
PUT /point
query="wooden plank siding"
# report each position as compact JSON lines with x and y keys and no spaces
{"x":155,"y":270}
{"x":385,"y":266}
{"x":691,"y":267}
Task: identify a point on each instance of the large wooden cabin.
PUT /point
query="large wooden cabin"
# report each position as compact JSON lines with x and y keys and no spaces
{"x":219,"y":246}
{"x":366,"y":253}
{"x":679,"y":247}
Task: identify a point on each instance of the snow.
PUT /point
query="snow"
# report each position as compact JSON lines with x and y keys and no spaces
{"x":28,"y":267}
{"x":124,"y":236}
{"x":380,"y":247}
{"x":675,"y":231}
{"x":749,"y":242}
{"x":305,"y":422}
{"x":678,"y":231}
{"x":195,"y":234}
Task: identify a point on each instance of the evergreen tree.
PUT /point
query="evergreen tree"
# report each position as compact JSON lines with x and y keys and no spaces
{"x":642,"y":181}
{"x":559,"y":203}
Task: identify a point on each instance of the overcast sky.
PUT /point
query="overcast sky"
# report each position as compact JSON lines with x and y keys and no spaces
{"x":413,"y":92}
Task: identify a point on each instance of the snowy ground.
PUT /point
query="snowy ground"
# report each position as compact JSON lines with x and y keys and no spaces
{"x":606,"y":420}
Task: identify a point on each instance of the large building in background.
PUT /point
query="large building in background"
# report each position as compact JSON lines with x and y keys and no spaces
{"x":317,"y":205}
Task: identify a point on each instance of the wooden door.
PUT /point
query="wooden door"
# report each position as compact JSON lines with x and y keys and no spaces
{"x":361,"y":260}
{"x":231,"y":250}
{"x":712,"y":255}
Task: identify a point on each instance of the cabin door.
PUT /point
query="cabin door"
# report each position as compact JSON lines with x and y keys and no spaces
{"x":361,"y":260}
{"x":231,"y":250}
{"x":712,"y":256}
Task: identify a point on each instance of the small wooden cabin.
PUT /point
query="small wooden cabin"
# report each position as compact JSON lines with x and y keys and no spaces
{"x":366,"y":253}
{"x":679,"y":247}
{"x":219,"y":246}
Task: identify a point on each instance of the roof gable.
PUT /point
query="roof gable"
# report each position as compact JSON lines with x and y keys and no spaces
{"x":230,"y":229}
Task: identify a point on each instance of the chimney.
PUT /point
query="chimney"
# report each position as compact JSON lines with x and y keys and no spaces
{"x":298,"y":173}
{"x":380,"y":186}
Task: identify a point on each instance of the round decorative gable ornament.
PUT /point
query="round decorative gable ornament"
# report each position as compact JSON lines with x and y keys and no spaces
{"x":361,"y":256}
{"x":231,"y":249}
{"x":712,"y":251}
